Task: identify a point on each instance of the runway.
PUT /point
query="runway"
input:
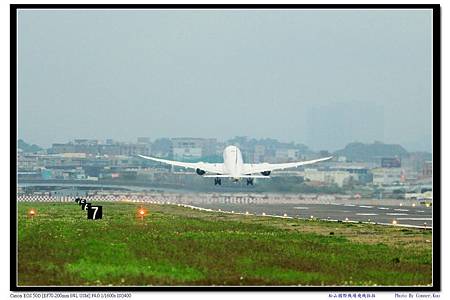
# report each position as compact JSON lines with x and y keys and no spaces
{"x":381,"y":211}
{"x":393,"y":214}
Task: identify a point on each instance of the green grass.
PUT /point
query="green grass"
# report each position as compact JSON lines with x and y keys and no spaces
{"x":180,"y":246}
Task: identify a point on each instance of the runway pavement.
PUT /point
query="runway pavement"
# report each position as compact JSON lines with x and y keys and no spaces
{"x":417,"y":215}
{"x":384,"y":211}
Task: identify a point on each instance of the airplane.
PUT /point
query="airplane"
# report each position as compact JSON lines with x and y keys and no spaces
{"x":233,"y":166}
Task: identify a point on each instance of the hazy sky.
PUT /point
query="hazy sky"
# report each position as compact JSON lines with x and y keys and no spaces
{"x":174,"y":73}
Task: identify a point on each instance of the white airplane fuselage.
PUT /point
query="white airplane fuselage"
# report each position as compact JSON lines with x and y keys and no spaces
{"x":233,"y":162}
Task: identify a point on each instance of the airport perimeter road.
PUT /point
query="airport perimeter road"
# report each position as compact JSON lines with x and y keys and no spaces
{"x":402,"y":215}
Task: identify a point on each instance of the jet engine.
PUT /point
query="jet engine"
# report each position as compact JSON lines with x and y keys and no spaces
{"x":200,"y":172}
{"x":265,"y":173}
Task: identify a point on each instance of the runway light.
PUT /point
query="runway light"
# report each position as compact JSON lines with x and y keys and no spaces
{"x":312,"y":217}
{"x":220,"y":209}
{"x":246,"y":212}
{"x":401,"y":204}
{"x":285,"y":215}
{"x":32,"y":212}
{"x":232,"y":211}
{"x":414,"y":205}
{"x":394,"y":222}
{"x":346,"y":219}
{"x":263,"y":214}
{"x":368,"y":220}
{"x":141,"y":213}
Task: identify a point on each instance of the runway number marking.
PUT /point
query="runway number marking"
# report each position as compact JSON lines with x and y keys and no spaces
{"x":95,"y":212}
{"x":85,"y":206}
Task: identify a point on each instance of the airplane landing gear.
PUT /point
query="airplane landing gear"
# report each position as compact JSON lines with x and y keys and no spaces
{"x":217,"y":181}
{"x":249,"y":181}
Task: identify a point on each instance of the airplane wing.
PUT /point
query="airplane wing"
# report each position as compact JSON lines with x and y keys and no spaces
{"x":258,"y":168}
{"x":208,"y":167}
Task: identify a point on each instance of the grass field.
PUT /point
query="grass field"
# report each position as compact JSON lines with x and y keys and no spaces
{"x":179,"y":246}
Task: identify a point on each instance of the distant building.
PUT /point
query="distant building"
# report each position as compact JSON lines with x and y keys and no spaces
{"x":110,"y":149}
{"x":421,"y":192}
{"x":284,"y":155}
{"x":92,"y":147}
{"x":27,"y":162}
{"x":387,"y":176}
{"x":260,"y":151}
{"x":340,"y":178}
{"x":187,"y":148}
{"x":79,"y":146}
{"x":359,"y":174}
{"x":324,"y":153}
{"x":62,"y":148}
{"x":341,"y":158}
{"x":391,"y":162}
{"x":88,"y":142}
{"x":209,"y":147}
{"x":134,"y":149}
{"x":427,"y":170}
{"x":47,"y":174}
{"x":412,"y":165}
{"x":193,"y":148}
{"x":143,"y":140}
{"x":73,"y":155}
